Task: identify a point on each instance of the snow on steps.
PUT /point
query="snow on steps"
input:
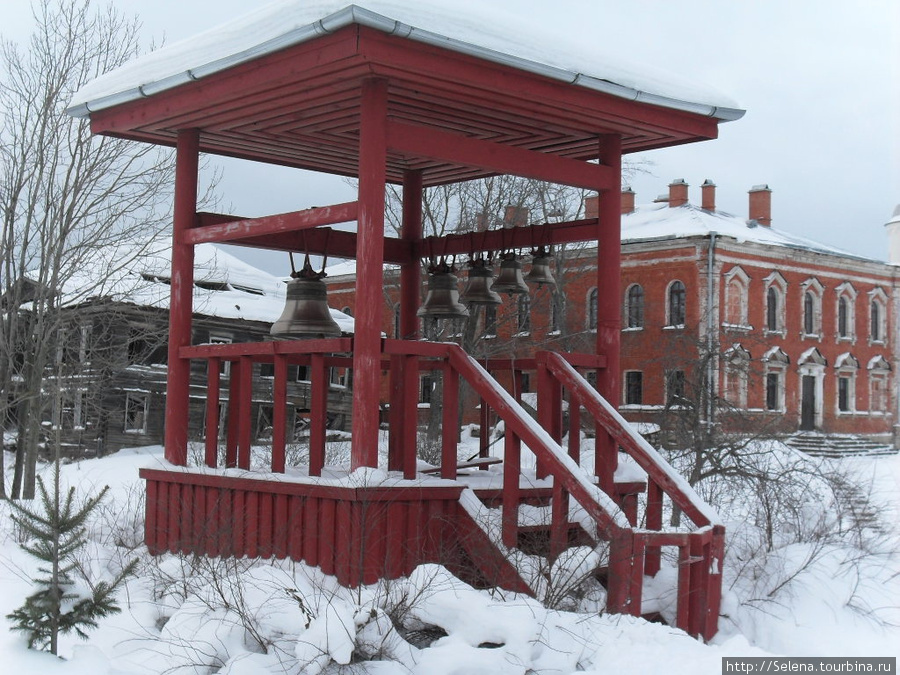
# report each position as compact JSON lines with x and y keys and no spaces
{"x":838,"y":445}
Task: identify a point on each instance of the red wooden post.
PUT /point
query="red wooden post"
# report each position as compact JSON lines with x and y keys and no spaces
{"x":369,"y":273}
{"x":511,"y":467}
{"x":410,"y":272}
{"x":279,"y":413}
{"x":318,"y":413}
{"x":683,"y":608}
{"x":621,"y":551}
{"x":231,"y":437}
{"x":609,"y":301}
{"x":212,"y":412}
{"x":559,"y":519}
{"x":182,"y":296}
{"x":398,"y":414}
{"x":714,"y":594}
{"x":245,"y":423}
{"x":637,"y":576}
{"x":699,"y":584}
{"x":410,"y":403}
{"x":449,"y":422}
{"x":654,"y":522}
{"x":549,"y":409}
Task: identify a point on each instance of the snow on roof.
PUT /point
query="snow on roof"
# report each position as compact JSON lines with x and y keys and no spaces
{"x":224,"y":286}
{"x":660,"y":221}
{"x":476,"y":28}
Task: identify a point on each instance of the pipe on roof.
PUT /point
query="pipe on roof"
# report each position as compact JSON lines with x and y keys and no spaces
{"x":354,"y":14}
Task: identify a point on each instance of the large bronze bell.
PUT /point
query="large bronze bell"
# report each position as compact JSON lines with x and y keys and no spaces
{"x":442,"y":301}
{"x":510,"y":280}
{"x":540,"y":269}
{"x":478,"y":289}
{"x":306,"y":314}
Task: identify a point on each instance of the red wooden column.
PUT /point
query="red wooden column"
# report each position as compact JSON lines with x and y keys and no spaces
{"x":369,"y":273}
{"x":609,"y":300}
{"x":182,"y":296}
{"x":404,"y":369}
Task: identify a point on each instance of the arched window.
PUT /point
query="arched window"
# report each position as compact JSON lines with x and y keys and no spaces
{"x":875,"y":320}
{"x":843,"y":317}
{"x":634,"y":306}
{"x":523,"y":314}
{"x":556,"y":314}
{"x":592,"y":310}
{"x":676,"y":304}
{"x":772,"y":309}
{"x":736,"y":307}
{"x":809,"y":313}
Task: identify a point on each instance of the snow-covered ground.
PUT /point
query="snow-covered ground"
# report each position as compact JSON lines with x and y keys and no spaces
{"x":240,"y":617}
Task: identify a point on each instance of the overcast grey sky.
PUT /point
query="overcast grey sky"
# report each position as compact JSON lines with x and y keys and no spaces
{"x":820,"y":80}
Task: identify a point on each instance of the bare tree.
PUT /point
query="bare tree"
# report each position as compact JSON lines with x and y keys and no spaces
{"x":75,"y":209}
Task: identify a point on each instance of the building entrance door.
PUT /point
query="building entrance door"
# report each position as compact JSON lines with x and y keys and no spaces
{"x":808,"y":403}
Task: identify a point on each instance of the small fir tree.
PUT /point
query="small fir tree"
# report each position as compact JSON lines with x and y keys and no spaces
{"x":56,"y":533}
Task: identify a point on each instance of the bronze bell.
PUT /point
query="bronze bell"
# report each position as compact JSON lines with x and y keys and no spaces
{"x":442,"y":301}
{"x":510,"y":280}
{"x":306,"y":312}
{"x":478,"y":289}
{"x":540,"y":269}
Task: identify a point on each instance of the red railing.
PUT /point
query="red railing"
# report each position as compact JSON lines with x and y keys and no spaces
{"x":636,"y":538}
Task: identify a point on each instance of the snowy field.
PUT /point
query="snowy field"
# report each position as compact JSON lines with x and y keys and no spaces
{"x":183,"y":615}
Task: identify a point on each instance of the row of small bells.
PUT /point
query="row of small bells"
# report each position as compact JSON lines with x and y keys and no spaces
{"x":306,"y":313}
{"x":443,"y":300}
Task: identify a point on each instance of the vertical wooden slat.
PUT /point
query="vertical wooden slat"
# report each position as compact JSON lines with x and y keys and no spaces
{"x":212,"y":412}
{"x":339,"y":530}
{"x":234,"y":417}
{"x":511,"y":470}
{"x":266,"y":524}
{"x":239,"y":516}
{"x":173,"y":533}
{"x":312,"y":531}
{"x":279,"y":413}
{"x":318,"y":413}
{"x":637,"y":576}
{"x":396,"y":539}
{"x":200,"y":527}
{"x":559,"y":519}
{"x":297,"y":524}
{"x":484,"y":431}
{"x":374,"y":535}
{"x":327,"y":536}
{"x":621,"y":550}
{"x":654,"y":522}
{"x":411,"y":418}
{"x":228,"y":524}
{"x":245,"y":422}
{"x":151,"y":518}
{"x":449,"y":422}
{"x":213,"y":522}
{"x":397,"y":414}
{"x":415,"y":527}
{"x":714,"y":594}
{"x":575,"y":428}
{"x":251,"y":531}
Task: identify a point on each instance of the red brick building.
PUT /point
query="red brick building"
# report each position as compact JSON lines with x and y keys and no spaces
{"x":725,"y":311}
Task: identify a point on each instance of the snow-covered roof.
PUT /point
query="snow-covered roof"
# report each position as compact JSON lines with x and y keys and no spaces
{"x":472,"y":28}
{"x":224,"y":286}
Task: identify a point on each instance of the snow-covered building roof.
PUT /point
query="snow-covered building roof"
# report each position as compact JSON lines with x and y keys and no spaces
{"x":224,"y":286}
{"x":661,"y":221}
{"x":475,"y":29}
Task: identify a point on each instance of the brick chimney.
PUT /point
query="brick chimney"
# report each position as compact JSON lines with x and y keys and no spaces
{"x":678,"y":192}
{"x":708,"y":195}
{"x":761,"y":205}
{"x":515,"y":216}
{"x":627,"y":200}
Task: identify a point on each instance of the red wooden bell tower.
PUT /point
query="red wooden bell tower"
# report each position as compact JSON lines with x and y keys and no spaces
{"x":371,"y":98}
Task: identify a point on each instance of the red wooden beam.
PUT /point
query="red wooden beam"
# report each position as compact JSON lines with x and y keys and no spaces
{"x":419,"y":141}
{"x":243,"y":228}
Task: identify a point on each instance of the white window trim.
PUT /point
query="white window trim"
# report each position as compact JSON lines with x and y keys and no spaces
{"x":736,"y":280}
{"x":776,"y":281}
{"x":668,"y":324}
{"x":128,"y":397}
{"x":816,"y":289}
{"x":877,"y":295}
{"x":845,"y":290}
{"x":222,"y":340}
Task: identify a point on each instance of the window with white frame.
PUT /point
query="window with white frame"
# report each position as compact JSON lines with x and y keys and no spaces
{"x":592,"y":309}
{"x":877,"y":316}
{"x":136,"y":408}
{"x":845,"y":318}
{"x":736,"y":291}
{"x":776,"y":292}
{"x":224,"y":365}
{"x":675,"y":304}
{"x":634,"y":307}
{"x":675,"y":388}
{"x":879,"y":383}
{"x":846,"y":367}
{"x":523,"y":314}
{"x":737,"y":366}
{"x":812,"y":308}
